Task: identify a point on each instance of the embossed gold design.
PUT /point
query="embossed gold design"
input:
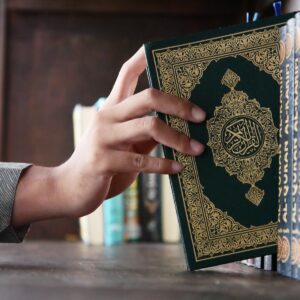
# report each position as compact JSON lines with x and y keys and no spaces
{"x":288,"y":45}
{"x":255,"y":195}
{"x":295,"y":251}
{"x":298,"y":259}
{"x":266,"y":60}
{"x":230,"y":79}
{"x":212,"y":231}
{"x":297,"y":39}
{"x":281,"y":52}
{"x":279,"y":248}
{"x":285,"y":249}
{"x":261,"y":48}
{"x":188,"y":76}
{"x":242,"y":137}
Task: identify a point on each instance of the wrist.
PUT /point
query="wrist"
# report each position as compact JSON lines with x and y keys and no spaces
{"x":38,"y":196}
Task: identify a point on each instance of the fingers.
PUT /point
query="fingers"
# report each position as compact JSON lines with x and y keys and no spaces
{"x":148,"y":128}
{"x":151,"y":100}
{"x":145,"y":147}
{"x":127,"y":79}
{"x":123,"y":162}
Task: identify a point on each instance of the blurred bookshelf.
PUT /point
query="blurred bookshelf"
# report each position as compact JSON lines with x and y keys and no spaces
{"x":45,"y":42}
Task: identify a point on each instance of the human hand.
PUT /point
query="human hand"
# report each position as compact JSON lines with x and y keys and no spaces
{"x":115,"y":148}
{"x":117,"y":144}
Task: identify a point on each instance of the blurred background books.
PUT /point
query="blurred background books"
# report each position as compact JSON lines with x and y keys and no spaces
{"x":55,"y":54}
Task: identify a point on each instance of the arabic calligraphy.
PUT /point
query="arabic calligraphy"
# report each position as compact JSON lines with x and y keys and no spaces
{"x":242,"y":136}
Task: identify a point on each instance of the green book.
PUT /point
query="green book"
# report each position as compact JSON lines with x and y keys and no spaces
{"x":226,"y":198}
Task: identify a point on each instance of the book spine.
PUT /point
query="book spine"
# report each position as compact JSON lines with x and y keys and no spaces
{"x":258,"y":262}
{"x":84,"y":229}
{"x":268,"y":262}
{"x":244,"y":262}
{"x":113,"y":220}
{"x":286,"y":165}
{"x":281,"y":147}
{"x":292,"y":138}
{"x":281,"y":191}
{"x":132,"y":221}
{"x":296,"y":191}
{"x":170,"y":225}
{"x":95,"y":226}
{"x":150,"y":205}
{"x":296,"y":235}
{"x":251,"y":262}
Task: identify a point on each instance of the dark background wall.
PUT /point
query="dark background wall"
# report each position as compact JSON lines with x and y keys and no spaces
{"x":55,"y":54}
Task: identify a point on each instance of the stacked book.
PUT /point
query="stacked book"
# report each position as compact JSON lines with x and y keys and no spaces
{"x":289,"y":154}
{"x":288,"y":251}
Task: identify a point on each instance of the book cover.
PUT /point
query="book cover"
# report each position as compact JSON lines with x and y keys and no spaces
{"x":268,"y":262}
{"x":150,"y":205}
{"x":227,"y":198}
{"x":113,"y":210}
{"x":259,"y":262}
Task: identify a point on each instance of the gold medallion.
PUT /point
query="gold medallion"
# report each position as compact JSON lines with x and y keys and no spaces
{"x":242,"y":137}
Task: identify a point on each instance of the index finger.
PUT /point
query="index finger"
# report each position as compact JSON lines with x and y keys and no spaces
{"x":128,"y":76}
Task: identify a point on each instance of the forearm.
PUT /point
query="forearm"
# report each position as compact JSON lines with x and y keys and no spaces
{"x":39,"y":196}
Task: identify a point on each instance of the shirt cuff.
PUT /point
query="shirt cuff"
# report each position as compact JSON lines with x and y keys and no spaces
{"x":9,"y":178}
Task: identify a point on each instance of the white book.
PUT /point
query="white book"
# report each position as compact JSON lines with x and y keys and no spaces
{"x":91,"y":226}
{"x":170,"y":226}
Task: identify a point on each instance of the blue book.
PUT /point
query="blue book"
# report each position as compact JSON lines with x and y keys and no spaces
{"x":284,"y":266}
{"x":296,"y":207}
{"x":114,"y":220}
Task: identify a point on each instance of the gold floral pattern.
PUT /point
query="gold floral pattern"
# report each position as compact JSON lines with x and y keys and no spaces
{"x":179,"y":69}
{"x":242,"y":137}
{"x":261,"y":48}
{"x":266,"y":59}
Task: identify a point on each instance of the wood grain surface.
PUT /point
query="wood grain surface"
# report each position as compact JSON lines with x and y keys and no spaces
{"x":56,"y":270}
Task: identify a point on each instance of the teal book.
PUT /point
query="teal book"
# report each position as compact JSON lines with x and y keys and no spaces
{"x":114,"y":220}
{"x":226,"y":198}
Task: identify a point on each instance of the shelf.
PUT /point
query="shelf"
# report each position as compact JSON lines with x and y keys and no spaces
{"x":60,"y":270}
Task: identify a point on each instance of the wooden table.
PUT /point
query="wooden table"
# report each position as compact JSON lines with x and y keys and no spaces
{"x":53,"y":270}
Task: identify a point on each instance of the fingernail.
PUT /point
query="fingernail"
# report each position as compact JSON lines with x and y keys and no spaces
{"x":176,"y":167}
{"x":196,"y":146}
{"x":198,"y":114}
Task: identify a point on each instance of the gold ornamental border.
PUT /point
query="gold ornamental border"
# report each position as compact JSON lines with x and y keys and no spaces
{"x":214,"y":233}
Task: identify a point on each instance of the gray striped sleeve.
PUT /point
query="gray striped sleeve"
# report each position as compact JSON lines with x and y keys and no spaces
{"x":9,"y":178}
